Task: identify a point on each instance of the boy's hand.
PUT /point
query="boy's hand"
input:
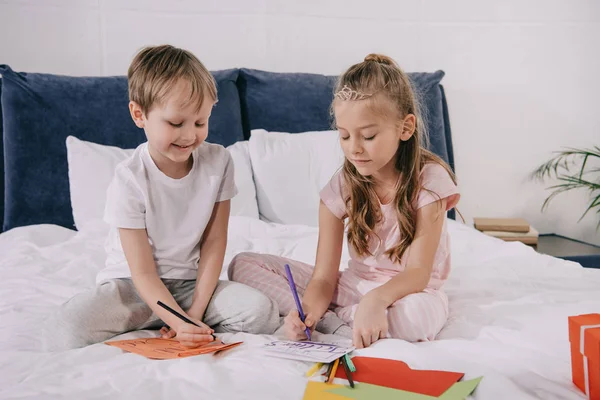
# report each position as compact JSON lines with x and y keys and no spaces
{"x":294,"y":328}
{"x":189,"y":335}
{"x":167,"y":333}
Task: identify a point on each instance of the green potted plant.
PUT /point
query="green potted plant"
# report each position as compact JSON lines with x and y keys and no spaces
{"x":573,"y":169}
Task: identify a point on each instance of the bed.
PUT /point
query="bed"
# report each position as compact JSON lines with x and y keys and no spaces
{"x":508,"y":304}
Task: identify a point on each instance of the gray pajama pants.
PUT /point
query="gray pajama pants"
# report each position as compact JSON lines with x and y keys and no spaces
{"x":114,"y":307}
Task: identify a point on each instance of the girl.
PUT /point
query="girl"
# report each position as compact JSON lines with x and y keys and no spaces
{"x":393,"y":195}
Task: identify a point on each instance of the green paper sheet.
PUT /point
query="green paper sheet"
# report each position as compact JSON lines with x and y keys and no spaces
{"x":367,"y":391}
{"x":460,"y":390}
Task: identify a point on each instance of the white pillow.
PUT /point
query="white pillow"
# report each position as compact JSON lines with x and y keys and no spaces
{"x":290,"y":169}
{"x":91,"y":169}
{"x":244,"y":203}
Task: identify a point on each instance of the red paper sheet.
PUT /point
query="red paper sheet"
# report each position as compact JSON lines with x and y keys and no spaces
{"x":397,"y":374}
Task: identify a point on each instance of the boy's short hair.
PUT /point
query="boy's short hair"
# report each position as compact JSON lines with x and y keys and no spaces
{"x":156,"y":69}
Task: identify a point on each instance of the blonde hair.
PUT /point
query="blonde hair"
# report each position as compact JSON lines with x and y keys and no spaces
{"x":155,"y":70}
{"x":379,"y":77}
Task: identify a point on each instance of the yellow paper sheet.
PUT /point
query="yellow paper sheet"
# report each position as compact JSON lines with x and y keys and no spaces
{"x":165,"y":349}
{"x":318,"y":391}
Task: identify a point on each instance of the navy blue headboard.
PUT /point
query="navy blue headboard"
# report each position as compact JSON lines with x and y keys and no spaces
{"x":34,"y":183}
{"x":300,"y":102}
{"x":41,"y":110}
{"x":447,"y":130}
{"x":1,"y":164}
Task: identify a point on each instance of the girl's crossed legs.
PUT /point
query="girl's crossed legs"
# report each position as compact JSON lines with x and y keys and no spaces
{"x":416,"y":317}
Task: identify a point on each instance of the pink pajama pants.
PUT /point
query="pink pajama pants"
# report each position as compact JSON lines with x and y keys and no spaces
{"x":416,"y":317}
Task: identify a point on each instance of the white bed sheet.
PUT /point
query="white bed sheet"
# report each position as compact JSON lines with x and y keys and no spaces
{"x":508,"y":322}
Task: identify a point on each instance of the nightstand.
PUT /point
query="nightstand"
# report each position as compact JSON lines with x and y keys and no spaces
{"x":586,"y":254}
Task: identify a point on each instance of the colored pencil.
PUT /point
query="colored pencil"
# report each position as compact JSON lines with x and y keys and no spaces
{"x":347,"y":370}
{"x":314,"y":369}
{"x":328,"y":373}
{"x":333,"y":371}
{"x":296,"y":298}
{"x":350,"y":363}
{"x":169,"y":309}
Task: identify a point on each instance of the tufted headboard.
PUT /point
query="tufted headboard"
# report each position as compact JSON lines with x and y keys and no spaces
{"x":40,"y":110}
{"x":1,"y":164}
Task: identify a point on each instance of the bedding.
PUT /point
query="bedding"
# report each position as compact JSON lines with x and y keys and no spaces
{"x":508,"y":322}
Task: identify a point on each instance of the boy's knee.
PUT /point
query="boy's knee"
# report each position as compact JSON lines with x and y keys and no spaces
{"x":63,"y":332}
{"x":81,"y":321}
{"x":264,"y":315}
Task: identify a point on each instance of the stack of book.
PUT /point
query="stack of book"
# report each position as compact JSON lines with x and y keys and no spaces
{"x":508,"y":229}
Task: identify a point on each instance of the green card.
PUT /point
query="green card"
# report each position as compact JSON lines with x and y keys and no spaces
{"x":368,"y":391}
{"x":458,"y":391}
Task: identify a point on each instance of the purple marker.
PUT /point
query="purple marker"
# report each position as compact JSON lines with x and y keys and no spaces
{"x":290,"y":279}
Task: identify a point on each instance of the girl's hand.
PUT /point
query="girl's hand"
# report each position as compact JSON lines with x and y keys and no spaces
{"x":294,"y":328}
{"x":189,"y":335}
{"x":370,"y":322}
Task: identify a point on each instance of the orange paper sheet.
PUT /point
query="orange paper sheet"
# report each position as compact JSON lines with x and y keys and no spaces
{"x":398,"y":375}
{"x":165,"y":349}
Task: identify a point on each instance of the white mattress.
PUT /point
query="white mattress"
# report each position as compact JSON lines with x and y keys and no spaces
{"x":508,"y":322}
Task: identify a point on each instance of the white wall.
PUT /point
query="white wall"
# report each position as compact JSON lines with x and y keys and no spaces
{"x":521,"y":76}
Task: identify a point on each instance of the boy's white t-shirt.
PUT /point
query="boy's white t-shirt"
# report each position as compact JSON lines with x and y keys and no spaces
{"x":174,"y":212}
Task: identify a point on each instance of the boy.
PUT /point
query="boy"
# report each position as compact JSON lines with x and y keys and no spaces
{"x":168,"y":210}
